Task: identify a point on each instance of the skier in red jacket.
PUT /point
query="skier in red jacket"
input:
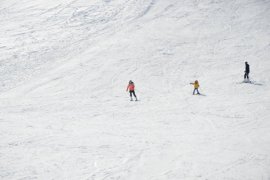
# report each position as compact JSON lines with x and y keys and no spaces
{"x":131,"y":88}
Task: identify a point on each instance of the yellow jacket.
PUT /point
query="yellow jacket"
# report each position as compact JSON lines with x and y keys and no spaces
{"x":196,"y":84}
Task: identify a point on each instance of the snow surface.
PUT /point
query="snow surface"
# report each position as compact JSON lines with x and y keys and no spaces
{"x":64,"y":67}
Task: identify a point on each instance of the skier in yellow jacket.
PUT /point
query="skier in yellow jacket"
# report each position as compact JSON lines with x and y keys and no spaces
{"x":196,"y":87}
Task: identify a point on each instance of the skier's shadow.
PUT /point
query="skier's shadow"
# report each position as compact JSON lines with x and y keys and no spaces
{"x":202,"y":95}
{"x":199,"y":94}
{"x":252,"y":82}
{"x":258,"y":84}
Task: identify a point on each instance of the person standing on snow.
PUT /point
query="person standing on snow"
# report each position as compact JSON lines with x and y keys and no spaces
{"x":131,"y":88}
{"x":196,"y":87}
{"x":246,"y":71}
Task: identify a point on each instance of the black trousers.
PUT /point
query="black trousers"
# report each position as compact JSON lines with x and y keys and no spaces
{"x":246,"y":75}
{"x":132,"y":92}
{"x":196,"y":89}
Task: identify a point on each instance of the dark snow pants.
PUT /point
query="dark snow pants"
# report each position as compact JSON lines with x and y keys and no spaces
{"x":246,"y":75}
{"x":196,"y":89}
{"x":132,"y":92}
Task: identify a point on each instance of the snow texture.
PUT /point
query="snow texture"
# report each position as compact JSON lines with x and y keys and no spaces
{"x":65,"y":112}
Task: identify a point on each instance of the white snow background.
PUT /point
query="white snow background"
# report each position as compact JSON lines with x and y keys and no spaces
{"x":65,"y":112}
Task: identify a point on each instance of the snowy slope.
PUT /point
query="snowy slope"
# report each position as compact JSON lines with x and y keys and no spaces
{"x":64,"y":67}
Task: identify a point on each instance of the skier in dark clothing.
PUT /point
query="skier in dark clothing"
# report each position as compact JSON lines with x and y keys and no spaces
{"x":246,"y":71}
{"x":131,"y":88}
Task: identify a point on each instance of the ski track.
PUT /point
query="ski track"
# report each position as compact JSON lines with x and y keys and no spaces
{"x":64,"y":112}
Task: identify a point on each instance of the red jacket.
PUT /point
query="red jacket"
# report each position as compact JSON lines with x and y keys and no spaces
{"x":131,"y":87}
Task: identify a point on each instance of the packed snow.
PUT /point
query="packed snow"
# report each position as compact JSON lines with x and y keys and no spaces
{"x":65,"y":112}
